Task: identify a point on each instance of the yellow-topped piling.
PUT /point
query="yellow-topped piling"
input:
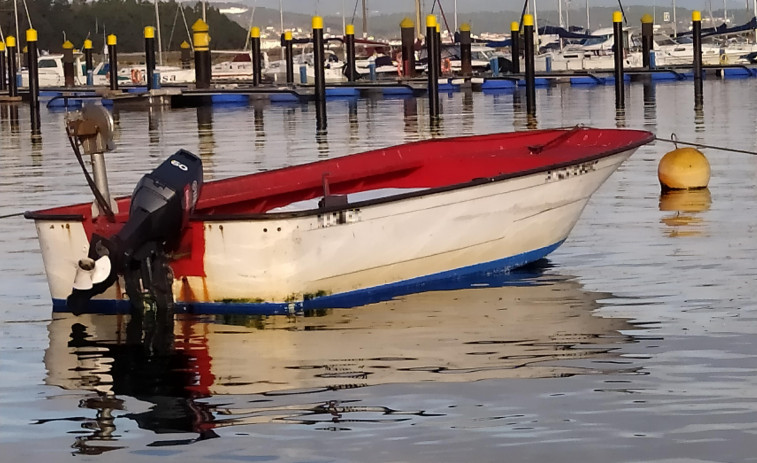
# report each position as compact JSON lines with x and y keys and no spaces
{"x":696,"y":15}
{"x":317,"y":22}
{"x":528,"y":20}
{"x":617,"y":17}
{"x":111,"y":39}
{"x":10,"y":41}
{"x":647,"y":19}
{"x":67,"y":45}
{"x":149,"y":32}
{"x":287,"y":35}
{"x":2,"y":46}
{"x":431,"y":21}
{"x":31,"y":35}
{"x":407,"y":23}
{"x":200,"y":35}
{"x":465,"y":27}
{"x":349,"y":29}
{"x":514,"y":26}
{"x":255,"y":32}
{"x":87,"y":44}
{"x":184,"y":44}
{"x":200,"y":26}
{"x":683,"y":169}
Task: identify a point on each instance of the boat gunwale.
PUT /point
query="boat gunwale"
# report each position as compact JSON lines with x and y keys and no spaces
{"x":40,"y":215}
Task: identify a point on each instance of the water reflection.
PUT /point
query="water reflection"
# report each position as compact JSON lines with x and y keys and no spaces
{"x":410,"y":112}
{"x":650,"y":103}
{"x":686,"y":206}
{"x":352,"y":120}
{"x":537,"y":326}
{"x":153,"y":123}
{"x":620,"y":117}
{"x":699,"y":125}
{"x":259,"y":123}
{"x":206,"y":142}
{"x":468,"y":114}
{"x":322,"y":143}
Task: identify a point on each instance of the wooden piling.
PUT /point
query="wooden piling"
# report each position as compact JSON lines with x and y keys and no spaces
{"x":617,"y":27}
{"x":320,"y":77}
{"x":647,"y":41}
{"x":515,"y":45}
{"x":186,"y":55}
{"x":696,"y":18}
{"x":3,"y":73}
{"x":349,"y":43}
{"x":432,"y":68}
{"x":10,"y":47}
{"x":149,"y":34}
{"x":465,"y":51}
{"x":289,"y":57}
{"x":88,"y":62}
{"x":257,"y":69}
{"x":69,"y":77}
{"x":111,"y":40}
{"x":33,"y":67}
{"x":201,"y":40}
{"x":528,"y":55}
{"x":407,"y":31}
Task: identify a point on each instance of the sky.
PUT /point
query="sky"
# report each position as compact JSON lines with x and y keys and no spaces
{"x":335,"y":7}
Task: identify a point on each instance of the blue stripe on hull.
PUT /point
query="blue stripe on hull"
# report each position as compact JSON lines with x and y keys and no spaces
{"x":493,"y":273}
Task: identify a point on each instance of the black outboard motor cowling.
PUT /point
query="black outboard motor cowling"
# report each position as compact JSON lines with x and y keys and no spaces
{"x":160,"y":208}
{"x":161,"y":203}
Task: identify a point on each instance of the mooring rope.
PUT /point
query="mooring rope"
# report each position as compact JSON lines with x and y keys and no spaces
{"x":673,"y":139}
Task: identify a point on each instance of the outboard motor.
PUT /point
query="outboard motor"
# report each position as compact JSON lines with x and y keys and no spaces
{"x":160,"y":208}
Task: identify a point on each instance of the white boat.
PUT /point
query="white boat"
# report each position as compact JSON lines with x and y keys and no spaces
{"x":333,"y":69}
{"x":50,"y":72}
{"x":332,"y":232}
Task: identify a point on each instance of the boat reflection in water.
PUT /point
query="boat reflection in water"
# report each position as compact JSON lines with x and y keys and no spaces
{"x":296,"y":369}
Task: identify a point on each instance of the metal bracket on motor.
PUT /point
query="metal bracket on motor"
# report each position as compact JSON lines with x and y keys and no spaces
{"x":92,"y":127}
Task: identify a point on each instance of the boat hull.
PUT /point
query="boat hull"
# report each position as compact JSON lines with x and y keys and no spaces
{"x":283,"y":262}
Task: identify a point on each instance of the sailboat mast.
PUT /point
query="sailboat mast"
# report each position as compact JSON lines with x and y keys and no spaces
{"x":281,"y":14}
{"x":559,"y":13}
{"x":417,"y":18}
{"x":536,"y":26}
{"x":365,"y":22}
{"x":588,"y":21}
{"x":15,"y":15}
{"x":157,"y":26}
{"x":455,"y":14}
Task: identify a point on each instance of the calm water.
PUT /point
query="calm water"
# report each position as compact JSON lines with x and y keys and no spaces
{"x":635,"y":341}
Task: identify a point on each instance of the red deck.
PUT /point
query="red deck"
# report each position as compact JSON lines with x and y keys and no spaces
{"x":424,"y":164}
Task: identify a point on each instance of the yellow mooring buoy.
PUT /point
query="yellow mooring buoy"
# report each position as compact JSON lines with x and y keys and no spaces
{"x":683,"y":169}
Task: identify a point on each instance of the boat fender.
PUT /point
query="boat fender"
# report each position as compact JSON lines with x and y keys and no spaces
{"x":94,"y":274}
{"x":446,"y":66}
{"x":723,"y":58}
{"x":136,"y":76}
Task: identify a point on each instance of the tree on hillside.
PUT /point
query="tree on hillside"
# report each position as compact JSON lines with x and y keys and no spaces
{"x":60,"y":20}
